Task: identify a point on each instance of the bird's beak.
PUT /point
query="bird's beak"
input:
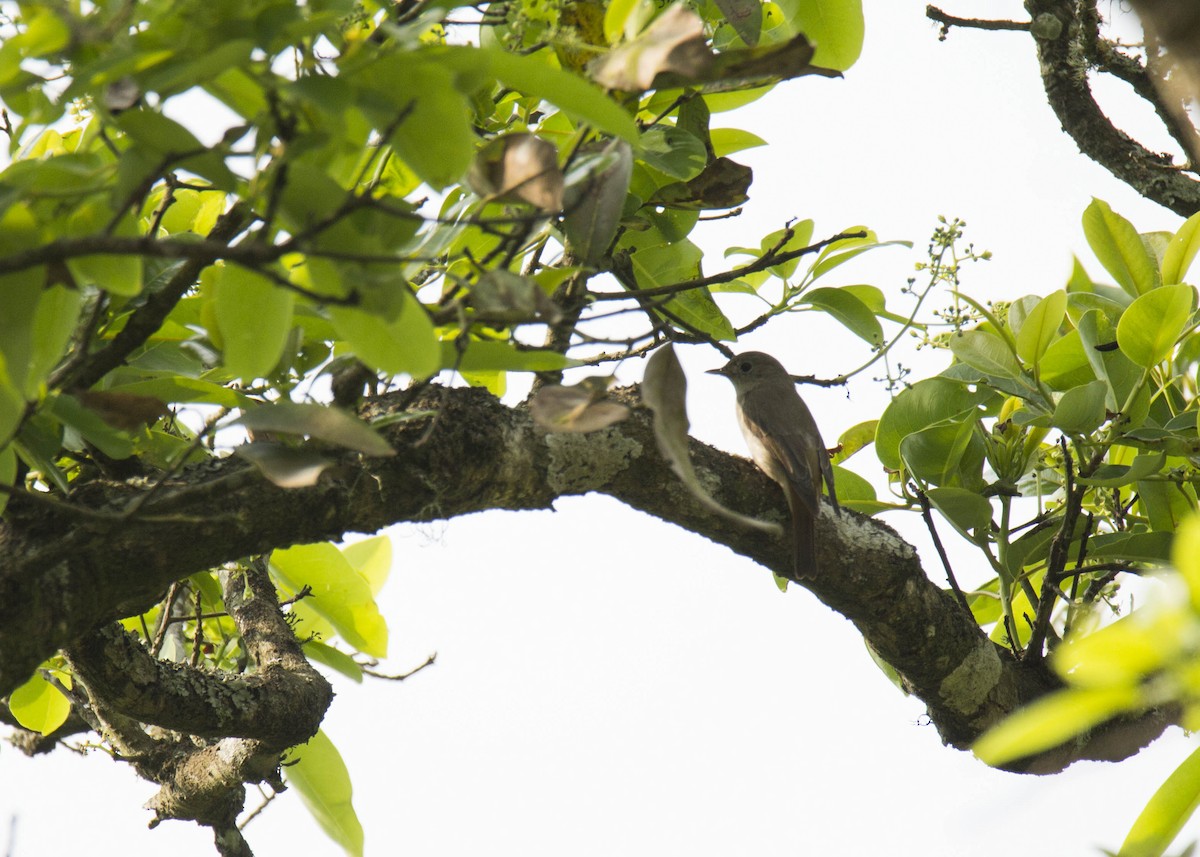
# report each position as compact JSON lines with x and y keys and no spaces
{"x":720,"y":371}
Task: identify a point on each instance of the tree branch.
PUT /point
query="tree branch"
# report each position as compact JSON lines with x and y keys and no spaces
{"x":1062,"y":51}
{"x":487,"y":456}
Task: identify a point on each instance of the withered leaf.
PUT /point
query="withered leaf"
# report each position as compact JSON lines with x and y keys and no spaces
{"x":577,"y":408}
{"x":723,"y":184}
{"x":518,"y":168}
{"x":594,"y":199}
{"x":674,"y":42}
{"x":125,"y":411}
{"x":751,"y":67}
{"x":284,"y":466}
{"x":506,"y":296}
{"x":745,"y":16}
{"x":320,"y":421}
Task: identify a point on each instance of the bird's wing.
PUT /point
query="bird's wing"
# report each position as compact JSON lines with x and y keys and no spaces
{"x":793,"y":452}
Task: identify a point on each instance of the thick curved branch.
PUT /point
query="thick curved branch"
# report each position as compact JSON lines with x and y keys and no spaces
{"x":251,"y":719}
{"x":281,"y":702}
{"x":1064,"y":56}
{"x":482,"y":456}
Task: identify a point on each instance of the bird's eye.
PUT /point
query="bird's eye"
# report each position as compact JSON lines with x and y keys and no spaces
{"x":745,"y":366}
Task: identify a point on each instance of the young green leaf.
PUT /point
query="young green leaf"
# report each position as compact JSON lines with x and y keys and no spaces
{"x":1081,"y":409}
{"x":845,"y":306}
{"x":1050,"y":721}
{"x":836,"y":27}
{"x":1040,"y":327}
{"x":38,"y":705}
{"x":1153,"y":323}
{"x":1181,"y":250}
{"x":254,"y":316}
{"x":502,"y":357}
{"x":405,"y":344}
{"x":986,"y":352}
{"x":343,"y":597}
{"x":1120,"y":249}
{"x":321,"y":778}
{"x":372,"y":558}
{"x":1167,"y":811}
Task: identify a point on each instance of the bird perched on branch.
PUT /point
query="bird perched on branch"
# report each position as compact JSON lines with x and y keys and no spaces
{"x":785,"y":443}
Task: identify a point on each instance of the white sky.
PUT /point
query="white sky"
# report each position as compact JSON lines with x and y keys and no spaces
{"x":608,"y":684}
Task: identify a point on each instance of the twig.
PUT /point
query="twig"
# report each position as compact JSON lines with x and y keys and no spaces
{"x":402,"y":676}
{"x":948,"y":21}
{"x":923,"y":498}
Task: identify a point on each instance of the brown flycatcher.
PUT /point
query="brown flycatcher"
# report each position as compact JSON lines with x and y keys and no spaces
{"x":785,"y":443}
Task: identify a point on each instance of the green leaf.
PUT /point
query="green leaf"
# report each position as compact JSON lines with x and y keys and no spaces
{"x":502,"y":356}
{"x":927,"y":403}
{"x":317,"y":651}
{"x":1120,"y":655}
{"x":1040,"y":327}
{"x":532,"y":75}
{"x":1151,"y":325}
{"x":119,"y":275}
{"x":431,"y":100}
{"x":1186,"y":556}
{"x":87,"y":425}
{"x":167,"y":139}
{"x":406,"y":344}
{"x":986,"y":352}
{"x":320,"y":421}
{"x":966,"y":510}
{"x":1181,"y":251}
{"x":372,"y":558}
{"x":1050,"y":721}
{"x":1111,"y":365}
{"x":1120,"y":249}
{"x":174,"y":389}
{"x":1164,"y":504}
{"x":671,"y":264}
{"x":1135,"y":547}
{"x":254,"y":316}
{"x":845,"y":306}
{"x":855,"y":438}
{"x":1065,"y":365}
{"x":38,"y":705}
{"x":1119,"y":475}
{"x":949,"y":454}
{"x":1175,"y":801}
{"x":1081,"y":409}
{"x":321,"y":778}
{"x":341,"y":595}
{"x":854,"y":491}
{"x":673,"y":151}
{"x":726,"y":141}
{"x":835,"y":27}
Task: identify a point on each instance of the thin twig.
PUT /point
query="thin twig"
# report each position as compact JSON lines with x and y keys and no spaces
{"x":923,"y":498}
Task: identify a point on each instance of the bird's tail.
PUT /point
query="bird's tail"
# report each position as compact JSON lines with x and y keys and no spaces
{"x":804,"y":540}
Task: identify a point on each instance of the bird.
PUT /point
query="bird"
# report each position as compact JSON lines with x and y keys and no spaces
{"x":785,"y":443}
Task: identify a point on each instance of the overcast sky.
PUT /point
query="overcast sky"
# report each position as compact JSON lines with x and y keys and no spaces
{"x":608,"y":684}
